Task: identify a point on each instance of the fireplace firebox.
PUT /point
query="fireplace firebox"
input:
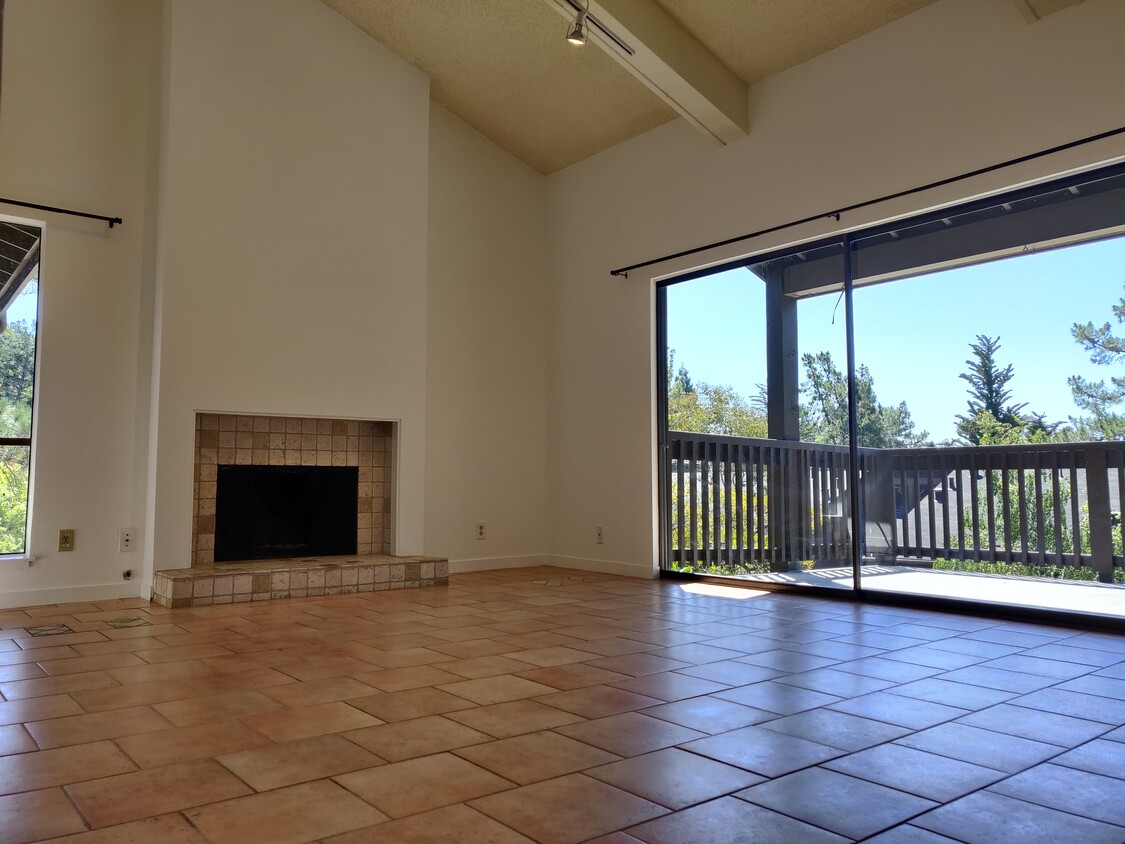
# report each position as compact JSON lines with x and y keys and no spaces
{"x":264,"y":512}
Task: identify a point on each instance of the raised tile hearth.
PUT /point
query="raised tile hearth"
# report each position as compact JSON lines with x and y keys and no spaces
{"x":302,"y":577}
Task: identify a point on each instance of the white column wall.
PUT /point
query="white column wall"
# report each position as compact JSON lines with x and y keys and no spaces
{"x":959,"y":85}
{"x":486,"y":381}
{"x":292,"y":262}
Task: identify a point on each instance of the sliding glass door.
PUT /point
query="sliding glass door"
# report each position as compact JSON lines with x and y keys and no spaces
{"x":755,"y":482}
{"x":970,"y":447}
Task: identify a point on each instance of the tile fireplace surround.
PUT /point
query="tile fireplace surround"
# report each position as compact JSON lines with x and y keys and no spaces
{"x":244,"y":440}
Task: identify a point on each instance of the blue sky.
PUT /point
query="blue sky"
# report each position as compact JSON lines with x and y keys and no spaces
{"x":914,"y":334}
{"x":24,"y":308}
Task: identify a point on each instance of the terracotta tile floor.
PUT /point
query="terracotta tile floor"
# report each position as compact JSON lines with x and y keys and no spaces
{"x":558,"y":707}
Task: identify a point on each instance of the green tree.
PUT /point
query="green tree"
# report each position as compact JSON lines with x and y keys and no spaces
{"x":17,"y":362}
{"x":709,"y":408}
{"x":1098,"y":398}
{"x":989,"y":395}
{"x":992,"y":418}
{"x":17,"y":381}
{"x":824,"y":413}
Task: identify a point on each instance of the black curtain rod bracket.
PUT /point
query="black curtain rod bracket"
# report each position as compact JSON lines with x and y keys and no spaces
{"x":835,"y":215}
{"x":112,"y":221}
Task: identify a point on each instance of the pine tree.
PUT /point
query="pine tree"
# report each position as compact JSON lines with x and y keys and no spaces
{"x":988,"y":391}
{"x":1099,"y":398}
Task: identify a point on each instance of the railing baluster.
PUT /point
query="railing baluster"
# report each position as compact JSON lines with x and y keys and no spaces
{"x":1022,"y":491}
{"x":1099,"y":524}
{"x":705,"y":504}
{"x":719,"y":502}
{"x":948,"y":465}
{"x":990,"y":500}
{"x":1120,"y":469}
{"x":1075,"y":510}
{"x":681,"y":480}
{"x":960,"y":511}
{"x":695,"y":500}
{"x":1040,"y":521}
{"x":1056,"y":504}
{"x":733,"y":528}
{"x":974,"y":503}
{"x":1006,"y":498}
{"x":792,"y":507}
{"x":841,"y":549}
{"x":931,"y":525}
{"x":760,"y":504}
{"x":917,"y":545}
{"x":820,"y":545}
{"x":737,"y":469}
{"x":776,"y":511}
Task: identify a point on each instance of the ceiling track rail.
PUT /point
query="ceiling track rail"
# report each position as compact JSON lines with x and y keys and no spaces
{"x":835,"y":215}
{"x":112,"y":221}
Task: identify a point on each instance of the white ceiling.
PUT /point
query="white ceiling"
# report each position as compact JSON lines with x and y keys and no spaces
{"x":505,"y":68}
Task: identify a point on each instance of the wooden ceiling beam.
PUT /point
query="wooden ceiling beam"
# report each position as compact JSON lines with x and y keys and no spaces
{"x":669,"y":61}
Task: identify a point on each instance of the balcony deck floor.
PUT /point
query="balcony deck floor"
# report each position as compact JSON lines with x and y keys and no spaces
{"x":1063,"y":595}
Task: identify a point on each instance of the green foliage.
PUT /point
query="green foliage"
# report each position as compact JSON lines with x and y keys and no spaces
{"x":17,"y":381}
{"x":824,"y":415}
{"x":731,"y":569}
{"x":991,"y":418}
{"x":14,"y":464}
{"x":722,"y":569}
{"x":709,"y":538}
{"x":1100,"y":399}
{"x":17,"y":363}
{"x":709,"y":408}
{"x":1018,"y":570}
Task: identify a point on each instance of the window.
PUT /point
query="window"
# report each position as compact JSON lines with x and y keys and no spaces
{"x":19,"y":299}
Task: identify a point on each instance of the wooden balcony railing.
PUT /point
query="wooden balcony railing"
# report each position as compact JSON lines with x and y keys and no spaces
{"x":766,"y":504}
{"x":756,"y":504}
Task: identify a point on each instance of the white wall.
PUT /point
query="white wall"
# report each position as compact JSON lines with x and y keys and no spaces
{"x":486,"y":379}
{"x":327,"y":244}
{"x":77,"y":130}
{"x":956,"y":86}
{"x":292,"y":263}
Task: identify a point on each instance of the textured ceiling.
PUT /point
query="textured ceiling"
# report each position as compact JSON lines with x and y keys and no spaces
{"x":505,"y":68}
{"x":758,"y":38}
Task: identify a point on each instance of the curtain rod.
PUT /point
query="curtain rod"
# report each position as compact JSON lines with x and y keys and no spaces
{"x":113,"y":221}
{"x":624,"y":271}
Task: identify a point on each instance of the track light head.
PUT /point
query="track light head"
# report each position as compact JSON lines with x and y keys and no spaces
{"x":577,"y":35}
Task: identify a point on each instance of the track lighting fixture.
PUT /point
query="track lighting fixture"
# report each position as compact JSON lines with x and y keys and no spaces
{"x":577,"y":35}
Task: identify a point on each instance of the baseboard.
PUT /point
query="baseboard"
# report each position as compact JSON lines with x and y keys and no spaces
{"x":71,"y":595}
{"x":490,"y":563}
{"x":604,"y":566}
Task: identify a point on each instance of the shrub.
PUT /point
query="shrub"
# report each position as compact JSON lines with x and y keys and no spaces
{"x":1020,"y":570}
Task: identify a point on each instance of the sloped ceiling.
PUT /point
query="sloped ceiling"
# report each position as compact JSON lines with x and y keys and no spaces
{"x":505,"y":68}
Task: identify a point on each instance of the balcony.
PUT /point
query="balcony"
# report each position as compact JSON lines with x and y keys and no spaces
{"x":1028,"y":525}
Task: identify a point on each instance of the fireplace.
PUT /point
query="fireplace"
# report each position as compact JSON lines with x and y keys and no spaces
{"x":244,"y":442}
{"x":262,"y":512}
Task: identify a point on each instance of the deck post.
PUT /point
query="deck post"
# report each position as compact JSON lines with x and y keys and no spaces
{"x":783,"y":415}
{"x":878,"y":490}
{"x":783,"y":412}
{"x":1101,"y":522}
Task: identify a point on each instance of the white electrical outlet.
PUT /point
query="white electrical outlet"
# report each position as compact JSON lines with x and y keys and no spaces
{"x":599,"y":535}
{"x":482,"y":531}
{"x":128,"y":540}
